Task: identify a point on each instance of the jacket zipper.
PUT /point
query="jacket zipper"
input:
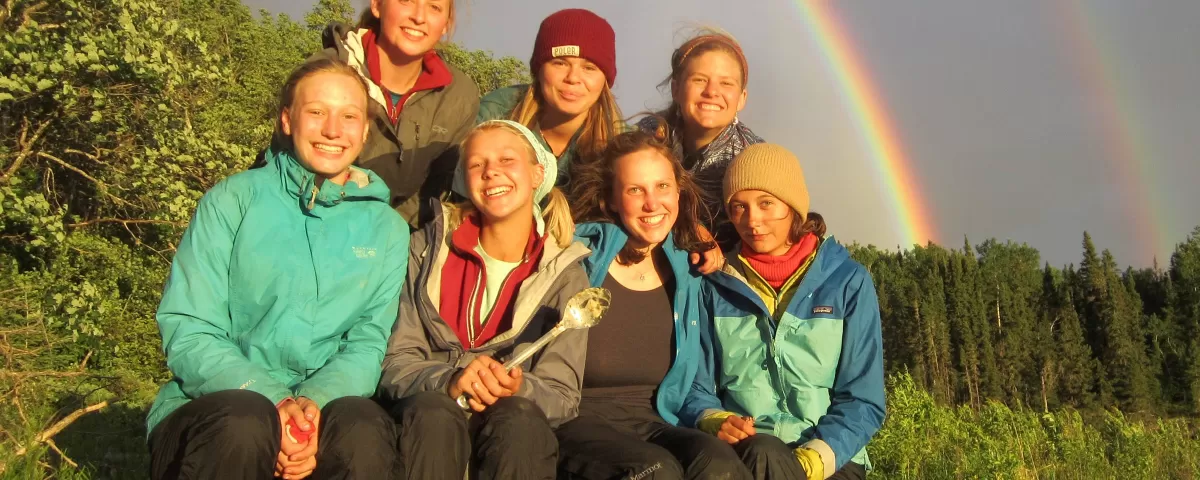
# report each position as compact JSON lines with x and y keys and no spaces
{"x":503,"y":284}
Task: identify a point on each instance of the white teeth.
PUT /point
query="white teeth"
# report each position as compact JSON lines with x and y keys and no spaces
{"x":328,"y":148}
{"x":655,"y":220}
{"x":491,"y":192}
{"x":710,"y":107}
{"x":415,"y":33}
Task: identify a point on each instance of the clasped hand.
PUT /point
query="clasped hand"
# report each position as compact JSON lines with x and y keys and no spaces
{"x":297,"y":460}
{"x":485,"y":382}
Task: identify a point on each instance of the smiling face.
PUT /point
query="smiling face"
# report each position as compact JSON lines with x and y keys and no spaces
{"x":327,"y":122}
{"x":710,"y":92}
{"x":413,"y":27}
{"x":501,"y":174}
{"x":570,"y":85}
{"x":645,"y":196}
{"x":762,"y":221}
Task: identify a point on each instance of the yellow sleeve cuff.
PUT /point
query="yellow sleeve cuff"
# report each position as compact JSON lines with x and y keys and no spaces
{"x":810,"y":460}
{"x":711,"y":424}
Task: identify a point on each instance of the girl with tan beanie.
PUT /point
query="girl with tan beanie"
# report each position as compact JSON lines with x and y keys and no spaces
{"x":796,"y":383}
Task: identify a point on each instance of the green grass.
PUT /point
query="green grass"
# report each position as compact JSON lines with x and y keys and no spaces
{"x":920,"y":440}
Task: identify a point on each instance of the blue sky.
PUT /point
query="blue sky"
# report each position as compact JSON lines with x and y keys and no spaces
{"x":1010,"y":134}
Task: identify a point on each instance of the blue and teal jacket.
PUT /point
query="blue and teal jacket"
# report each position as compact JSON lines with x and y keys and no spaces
{"x":606,"y":240}
{"x":283,"y":288}
{"x":814,"y":377}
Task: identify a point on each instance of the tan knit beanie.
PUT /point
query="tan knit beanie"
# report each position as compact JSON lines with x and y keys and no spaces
{"x":772,"y":169}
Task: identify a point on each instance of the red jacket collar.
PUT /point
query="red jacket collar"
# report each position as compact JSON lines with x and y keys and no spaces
{"x":434,"y":72}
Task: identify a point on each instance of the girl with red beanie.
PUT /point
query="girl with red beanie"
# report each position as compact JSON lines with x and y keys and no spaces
{"x":708,"y":81}
{"x":569,"y":106}
{"x":421,"y":105}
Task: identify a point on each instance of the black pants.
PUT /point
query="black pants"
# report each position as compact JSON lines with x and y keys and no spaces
{"x":234,"y":434}
{"x":511,"y":439}
{"x":768,"y":458}
{"x":641,"y":447}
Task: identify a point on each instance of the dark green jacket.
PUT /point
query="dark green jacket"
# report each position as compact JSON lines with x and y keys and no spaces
{"x":416,"y":156}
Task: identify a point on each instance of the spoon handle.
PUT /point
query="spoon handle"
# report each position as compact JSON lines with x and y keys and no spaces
{"x":534,"y":347}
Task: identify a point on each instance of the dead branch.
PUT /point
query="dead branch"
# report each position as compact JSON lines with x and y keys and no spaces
{"x":25,"y":143}
{"x":27,"y":15}
{"x":65,"y":458}
{"x":37,"y":374}
{"x":127,"y":222}
{"x":49,"y":433}
{"x":6,"y":11}
{"x":102,"y":185}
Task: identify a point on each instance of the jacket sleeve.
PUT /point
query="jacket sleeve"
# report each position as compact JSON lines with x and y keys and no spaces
{"x":555,"y":378}
{"x":702,"y":398}
{"x":354,"y":370}
{"x":408,"y":367}
{"x":858,"y":403}
{"x":193,"y":316}
{"x":441,"y":168}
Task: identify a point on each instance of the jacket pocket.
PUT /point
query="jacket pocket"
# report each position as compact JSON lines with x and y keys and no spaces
{"x":810,"y":349}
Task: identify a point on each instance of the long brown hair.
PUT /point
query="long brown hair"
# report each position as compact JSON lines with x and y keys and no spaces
{"x":813,"y":223}
{"x":287,"y":94}
{"x":592,"y":187}
{"x":704,"y":41}
{"x":603,"y":122}
{"x":557,"y":213}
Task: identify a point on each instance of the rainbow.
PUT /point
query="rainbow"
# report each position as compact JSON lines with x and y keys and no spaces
{"x":894,"y":168}
{"x":1125,"y":142}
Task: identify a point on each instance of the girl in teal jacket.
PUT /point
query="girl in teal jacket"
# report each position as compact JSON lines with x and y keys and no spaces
{"x":282,"y":293}
{"x":643,"y":358}
{"x":795,"y":376}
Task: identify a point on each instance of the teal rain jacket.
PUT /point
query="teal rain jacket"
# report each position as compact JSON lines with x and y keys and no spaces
{"x":282,"y":288}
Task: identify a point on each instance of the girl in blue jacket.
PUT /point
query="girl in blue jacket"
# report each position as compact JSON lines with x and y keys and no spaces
{"x":282,"y":293}
{"x":795,"y":373}
{"x":642,"y":358}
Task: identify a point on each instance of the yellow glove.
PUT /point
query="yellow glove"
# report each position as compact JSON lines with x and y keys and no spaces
{"x":711,"y":424}
{"x":810,"y":460}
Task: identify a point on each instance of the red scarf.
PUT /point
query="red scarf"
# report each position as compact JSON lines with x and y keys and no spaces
{"x":434,"y":74}
{"x":776,"y":270}
{"x":464,"y":275}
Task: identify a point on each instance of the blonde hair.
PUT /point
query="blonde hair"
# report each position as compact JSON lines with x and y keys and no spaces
{"x":556,"y":214}
{"x":604,"y":120}
{"x":369,"y":21}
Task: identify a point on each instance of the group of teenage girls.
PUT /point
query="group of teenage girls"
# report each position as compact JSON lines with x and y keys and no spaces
{"x":402,"y":238}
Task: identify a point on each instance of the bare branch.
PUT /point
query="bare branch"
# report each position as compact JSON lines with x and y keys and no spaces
{"x":27,"y":15}
{"x":26,"y":145}
{"x":65,"y":458}
{"x":102,"y":185}
{"x":127,"y":222}
{"x":49,"y":433}
{"x":6,"y":11}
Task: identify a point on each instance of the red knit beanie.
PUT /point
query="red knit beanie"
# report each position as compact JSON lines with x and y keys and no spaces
{"x":576,"y":32}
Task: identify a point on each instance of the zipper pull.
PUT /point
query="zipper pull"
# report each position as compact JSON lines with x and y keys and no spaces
{"x":312,"y":202}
